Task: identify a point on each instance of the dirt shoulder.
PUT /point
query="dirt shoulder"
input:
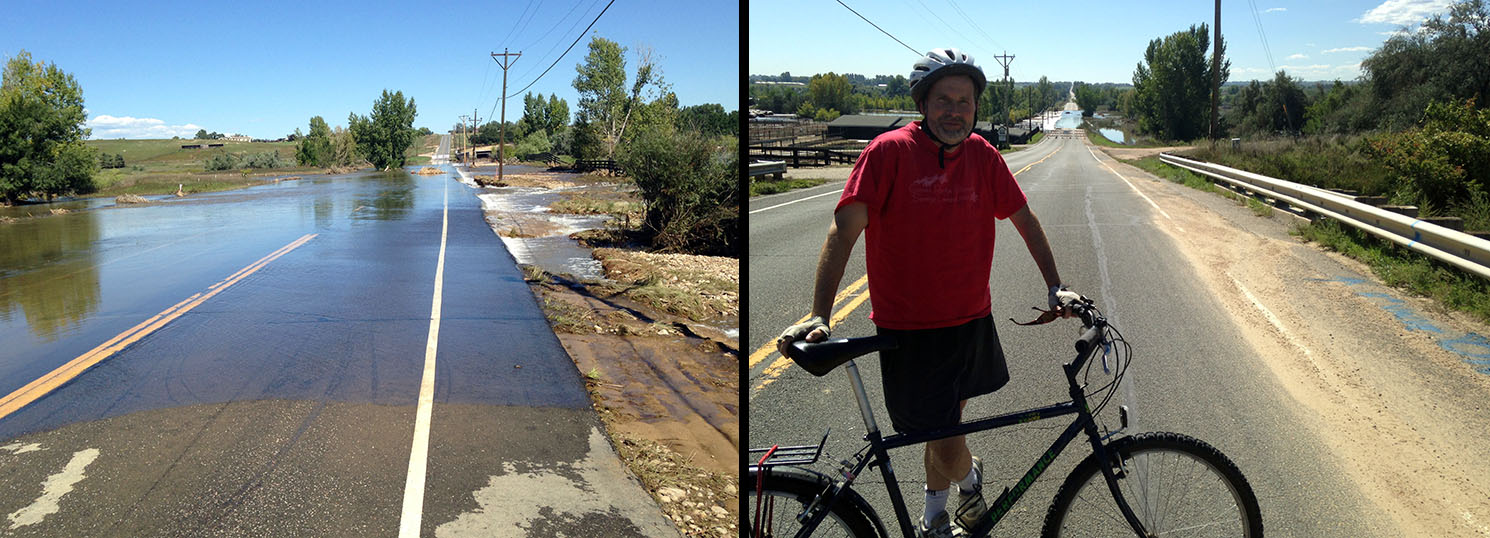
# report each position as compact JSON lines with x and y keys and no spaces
{"x":1404,"y":413}
{"x":661,"y":369}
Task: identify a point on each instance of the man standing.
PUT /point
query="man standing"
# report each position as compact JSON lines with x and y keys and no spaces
{"x":926,"y":197}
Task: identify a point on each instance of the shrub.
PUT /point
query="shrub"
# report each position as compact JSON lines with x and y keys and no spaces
{"x":690,"y":184}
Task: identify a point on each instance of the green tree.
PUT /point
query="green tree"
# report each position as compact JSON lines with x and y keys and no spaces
{"x":534,"y":144}
{"x":556,"y":118}
{"x":202,"y":135}
{"x":314,"y":149}
{"x":343,"y":148}
{"x":831,"y":91}
{"x":710,"y":119}
{"x":584,"y":140}
{"x":41,"y":132}
{"x":604,"y":97}
{"x":383,"y":137}
{"x":1443,"y":60}
{"x":1172,"y":85}
{"x":1344,"y":108}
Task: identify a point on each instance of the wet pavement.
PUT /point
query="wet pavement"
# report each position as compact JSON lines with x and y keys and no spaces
{"x":284,"y":404}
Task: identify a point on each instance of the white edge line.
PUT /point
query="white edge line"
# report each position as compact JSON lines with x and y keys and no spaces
{"x":419,"y":454}
{"x":1130,"y":184}
{"x":839,"y":191}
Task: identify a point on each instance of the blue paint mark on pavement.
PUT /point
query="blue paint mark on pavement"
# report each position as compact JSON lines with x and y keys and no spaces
{"x":1473,"y":347}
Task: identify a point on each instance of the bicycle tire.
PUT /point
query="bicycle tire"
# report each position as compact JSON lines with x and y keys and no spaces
{"x":793,"y":490}
{"x":1176,"y":485}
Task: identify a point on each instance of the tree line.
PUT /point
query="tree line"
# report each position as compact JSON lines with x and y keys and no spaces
{"x":825,"y":97}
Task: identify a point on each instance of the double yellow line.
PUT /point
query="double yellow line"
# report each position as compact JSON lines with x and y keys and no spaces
{"x":56,"y":378}
{"x":774,"y":370}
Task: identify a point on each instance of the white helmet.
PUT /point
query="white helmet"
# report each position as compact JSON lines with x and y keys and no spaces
{"x":942,"y":63}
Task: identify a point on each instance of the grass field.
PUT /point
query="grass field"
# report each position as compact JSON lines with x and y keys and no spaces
{"x":159,"y":166}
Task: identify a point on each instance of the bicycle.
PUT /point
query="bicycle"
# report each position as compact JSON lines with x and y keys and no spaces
{"x":1150,"y":484}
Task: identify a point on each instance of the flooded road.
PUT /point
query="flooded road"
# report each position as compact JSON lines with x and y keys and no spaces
{"x":264,"y":362}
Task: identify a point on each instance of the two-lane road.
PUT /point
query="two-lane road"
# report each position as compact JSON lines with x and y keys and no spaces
{"x":341,"y":356}
{"x":1193,"y":371}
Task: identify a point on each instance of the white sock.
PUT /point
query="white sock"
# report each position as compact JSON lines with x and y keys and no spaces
{"x":936,"y":503}
{"x":970,"y":481}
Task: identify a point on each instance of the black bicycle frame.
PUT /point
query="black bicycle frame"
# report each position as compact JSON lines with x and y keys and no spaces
{"x":879,"y":448}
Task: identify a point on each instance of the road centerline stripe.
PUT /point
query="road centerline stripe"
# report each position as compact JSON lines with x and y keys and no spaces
{"x":73,"y":368}
{"x":413,"y":510}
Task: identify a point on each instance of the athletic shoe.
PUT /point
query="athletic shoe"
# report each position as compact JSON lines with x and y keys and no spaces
{"x":940,"y":527}
{"x":970,"y":505}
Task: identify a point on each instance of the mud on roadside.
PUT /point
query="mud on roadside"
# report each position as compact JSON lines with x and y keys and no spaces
{"x":651,"y":340}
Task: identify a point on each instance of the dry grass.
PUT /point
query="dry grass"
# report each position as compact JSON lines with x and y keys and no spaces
{"x":694,"y":287}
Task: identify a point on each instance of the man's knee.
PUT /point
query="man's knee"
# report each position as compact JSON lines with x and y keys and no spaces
{"x":947,"y":450}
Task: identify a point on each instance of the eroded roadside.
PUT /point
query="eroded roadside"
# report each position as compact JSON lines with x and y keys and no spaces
{"x":651,"y":333}
{"x":1403,"y":412}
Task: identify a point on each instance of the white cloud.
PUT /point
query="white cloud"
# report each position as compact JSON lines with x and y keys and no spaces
{"x":1315,"y":67}
{"x":106,"y":126}
{"x":1296,"y":57}
{"x":1274,"y":9}
{"x":1348,"y":49}
{"x":1405,"y":12}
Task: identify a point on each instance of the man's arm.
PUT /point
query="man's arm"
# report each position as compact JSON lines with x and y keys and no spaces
{"x":848,"y":222}
{"x":1034,"y":239}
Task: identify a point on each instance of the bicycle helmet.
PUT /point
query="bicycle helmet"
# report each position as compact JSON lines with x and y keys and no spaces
{"x":942,"y":63}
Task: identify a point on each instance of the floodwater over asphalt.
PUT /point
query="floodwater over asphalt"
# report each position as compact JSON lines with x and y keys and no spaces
{"x":70,"y":281}
{"x":513,"y":212}
{"x":1070,"y":119}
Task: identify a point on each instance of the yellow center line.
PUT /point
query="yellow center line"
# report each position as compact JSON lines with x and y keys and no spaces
{"x":56,"y":378}
{"x":780,"y":365}
{"x":765,"y":350}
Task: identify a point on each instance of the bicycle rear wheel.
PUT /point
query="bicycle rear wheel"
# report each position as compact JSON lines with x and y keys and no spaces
{"x":788,"y":492}
{"x":1176,"y":485}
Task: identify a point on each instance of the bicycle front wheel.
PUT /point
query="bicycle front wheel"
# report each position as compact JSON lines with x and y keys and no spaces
{"x":1176,"y":485}
{"x":788,"y":492}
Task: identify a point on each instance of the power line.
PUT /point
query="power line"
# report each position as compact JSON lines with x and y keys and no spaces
{"x":975,"y":26}
{"x":1266,"y":49}
{"x":551,"y":28}
{"x":566,"y":51}
{"x":928,"y":9}
{"x":556,"y":44}
{"x":517,"y":22}
{"x":882,"y":30}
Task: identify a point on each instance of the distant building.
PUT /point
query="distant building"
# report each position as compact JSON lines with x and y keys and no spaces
{"x":237,"y":138}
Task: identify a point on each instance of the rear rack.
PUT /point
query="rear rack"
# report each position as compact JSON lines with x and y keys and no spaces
{"x":789,"y":455}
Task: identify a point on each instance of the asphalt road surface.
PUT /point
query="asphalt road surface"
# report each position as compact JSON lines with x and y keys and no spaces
{"x":353,"y":355}
{"x":1193,"y":373}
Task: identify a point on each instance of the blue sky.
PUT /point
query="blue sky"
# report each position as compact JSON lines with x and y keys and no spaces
{"x":1091,"y":41}
{"x":262,"y":69}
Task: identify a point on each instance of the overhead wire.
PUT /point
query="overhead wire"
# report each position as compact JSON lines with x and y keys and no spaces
{"x":566,"y":51}
{"x":539,"y":60}
{"x":517,"y":22}
{"x":975,"y":25}
{"x":882,"y":30}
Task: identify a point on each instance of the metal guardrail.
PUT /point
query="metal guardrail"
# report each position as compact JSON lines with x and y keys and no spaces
{"x":776,"y":168}
{"x":1458,"y":248}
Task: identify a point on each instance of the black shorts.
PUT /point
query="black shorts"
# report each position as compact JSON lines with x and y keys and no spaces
{"x":934,"y":369}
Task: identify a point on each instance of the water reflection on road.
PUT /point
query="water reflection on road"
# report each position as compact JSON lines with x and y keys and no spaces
{"x":70,"y":281}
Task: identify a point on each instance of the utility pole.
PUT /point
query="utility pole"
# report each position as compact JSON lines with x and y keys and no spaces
{"x":1216,"y":75}
{"x":475,"y":127}
{"x":1005,"y":60}
{"x":505,"y":63}
{"x":461,"y":149}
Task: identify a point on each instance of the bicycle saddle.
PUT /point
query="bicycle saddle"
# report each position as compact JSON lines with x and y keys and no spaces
{"x":822,"y":357}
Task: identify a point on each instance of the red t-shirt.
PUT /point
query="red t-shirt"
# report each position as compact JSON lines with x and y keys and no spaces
{"x":929,"y":242}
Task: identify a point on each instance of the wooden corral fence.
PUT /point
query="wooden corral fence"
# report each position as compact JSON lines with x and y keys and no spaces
{"x":800,"y":156}
{"x":589,"y":165}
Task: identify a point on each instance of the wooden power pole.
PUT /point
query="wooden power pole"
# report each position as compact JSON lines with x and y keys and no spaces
{"x":1005,"y":60}
{"x":1216,"y":76}
{"x":506,"y":63}
{"x":460,"y":149}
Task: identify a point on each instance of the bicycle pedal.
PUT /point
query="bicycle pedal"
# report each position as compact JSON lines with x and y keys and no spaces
{"x":1123,"y":416}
